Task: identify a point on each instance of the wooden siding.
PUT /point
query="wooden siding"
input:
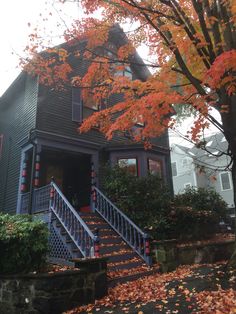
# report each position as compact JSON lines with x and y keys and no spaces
{"x":17,"y":118}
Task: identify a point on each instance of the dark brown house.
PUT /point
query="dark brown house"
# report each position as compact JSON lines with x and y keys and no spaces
{"x":38,"y":127}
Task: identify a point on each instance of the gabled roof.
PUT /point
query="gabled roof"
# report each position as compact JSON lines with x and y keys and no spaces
{"x":117,"y":36}
{"x":215,"y":145}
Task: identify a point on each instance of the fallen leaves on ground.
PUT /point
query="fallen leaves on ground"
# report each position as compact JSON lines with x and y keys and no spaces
{"x":219,"y":302}
{"x":217,"y":238}
{"x":127,"y":272}
{"x":147,"y":289}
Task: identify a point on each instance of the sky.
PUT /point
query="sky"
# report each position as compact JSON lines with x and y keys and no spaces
{"x":14,"y":30}
{"x":15,"y":15}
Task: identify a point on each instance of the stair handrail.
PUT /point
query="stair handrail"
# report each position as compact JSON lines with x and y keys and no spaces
{"x":83,"y":238}
{"x":136,"y":238}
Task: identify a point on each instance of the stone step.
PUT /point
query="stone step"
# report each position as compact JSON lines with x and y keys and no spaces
{"x":104,"y":249}
{"x":118,"y":257}
{"x":128,"y":265}
{"x":118,"y":280}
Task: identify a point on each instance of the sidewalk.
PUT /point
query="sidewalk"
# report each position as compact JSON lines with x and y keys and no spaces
{"x":184,"y":291}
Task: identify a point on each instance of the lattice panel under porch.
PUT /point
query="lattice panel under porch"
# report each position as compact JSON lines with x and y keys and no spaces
{"x":57,"y":248}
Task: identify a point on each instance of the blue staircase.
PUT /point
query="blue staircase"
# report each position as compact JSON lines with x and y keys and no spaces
{"x":106,"y":232}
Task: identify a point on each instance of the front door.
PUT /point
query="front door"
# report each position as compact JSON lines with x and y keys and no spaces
{"x":77,"y":181}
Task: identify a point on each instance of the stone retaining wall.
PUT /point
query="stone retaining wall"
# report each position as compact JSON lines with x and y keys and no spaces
{"x":171,"y":254}
{"x":52,"y":293}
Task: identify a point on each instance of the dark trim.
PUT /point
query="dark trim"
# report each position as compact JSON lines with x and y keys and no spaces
{"x":43,"y":136}
{"x":136,"y":146}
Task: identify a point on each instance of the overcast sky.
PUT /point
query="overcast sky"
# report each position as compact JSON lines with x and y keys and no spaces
{"x":14,"y":30}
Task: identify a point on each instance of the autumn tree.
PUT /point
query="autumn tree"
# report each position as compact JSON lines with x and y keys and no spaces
{"x":191,"y":54}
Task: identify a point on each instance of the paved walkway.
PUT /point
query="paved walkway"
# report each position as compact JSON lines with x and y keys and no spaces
{"x":175,"y":294}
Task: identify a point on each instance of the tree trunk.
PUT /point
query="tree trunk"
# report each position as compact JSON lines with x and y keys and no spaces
{"x":229,"y":127}
{"x":232,"y":260}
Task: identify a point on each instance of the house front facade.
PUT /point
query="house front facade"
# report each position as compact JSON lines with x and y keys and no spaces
{"x":40,"y":140}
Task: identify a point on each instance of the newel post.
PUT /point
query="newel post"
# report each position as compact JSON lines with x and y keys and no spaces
{"x":93,"y":185}
{"x":147,"y":249}
{"x":96,"y":243}
{"x":51,"y":195}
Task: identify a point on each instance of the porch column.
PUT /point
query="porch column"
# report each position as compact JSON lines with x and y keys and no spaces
{"x":37,"y":170}
{"x":24,"y":174}
{"x":34,"y":180}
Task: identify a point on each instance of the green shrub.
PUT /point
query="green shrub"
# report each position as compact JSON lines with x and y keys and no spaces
{"x":23,"y":244}
{"x":202,"y":200}
{"x":147,"y":201}
{"x":141,"y":198}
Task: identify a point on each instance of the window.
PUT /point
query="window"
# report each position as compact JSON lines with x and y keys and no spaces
{"x":225,"y":181}
{"x":89,"y":102}
{"x":77,"y":105}
{"x":187,"y":186}
{"x":174,"y":169}
{"x":123,"y":70}
{"x":155,"y":167}
{"x":1,"y":144}
{"x":186,"y":162}
{"x":130,"y":164}
{"x":81,"y":108}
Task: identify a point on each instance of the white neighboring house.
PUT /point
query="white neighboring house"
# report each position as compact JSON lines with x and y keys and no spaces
{"x":195,"y":167}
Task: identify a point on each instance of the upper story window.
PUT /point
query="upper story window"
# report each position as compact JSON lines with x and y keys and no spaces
{"x":130,"y":164}
{"x":120,"y":69}
{"x":174,"y":169}
{"x":186,"y":162}
{"x":123,"y":70}
{"x":155,"y":167}
{"x":225,"y":181}
{"x":77,"y":105}
{"x":89,"y":102}
{"x":1,"y":144}
{"x":82,"y":106}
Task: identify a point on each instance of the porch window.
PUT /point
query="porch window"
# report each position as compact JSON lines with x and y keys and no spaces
{"x":155,"y":167}
{"x":130,"y":164}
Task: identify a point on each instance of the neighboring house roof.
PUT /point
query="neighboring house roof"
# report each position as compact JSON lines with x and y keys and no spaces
{"x":214,"y":154}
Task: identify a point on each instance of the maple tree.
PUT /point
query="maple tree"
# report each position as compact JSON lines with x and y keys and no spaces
{"x":192,"y":56}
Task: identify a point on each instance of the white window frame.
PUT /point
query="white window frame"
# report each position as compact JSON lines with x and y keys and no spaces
{"x":186,"y":185}
{"x":176,"y":169}
{"x":230,"y":183}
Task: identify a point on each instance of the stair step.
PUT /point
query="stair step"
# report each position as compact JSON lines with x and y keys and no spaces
{"x":122,"y":266}
{"x":114,"y":241}
{"x":115,"y":281}
{"x":105,"y":232}
{"x":119,"y":256}
{"x":104,"y":249}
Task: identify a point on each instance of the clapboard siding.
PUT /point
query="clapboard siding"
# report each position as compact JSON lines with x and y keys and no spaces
{"x":55,"y":116}
{"x":18,"y":114}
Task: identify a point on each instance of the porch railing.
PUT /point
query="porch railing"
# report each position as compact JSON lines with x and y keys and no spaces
{"x":40,"y":201}
{"x":24,"y":203}
{"x":77,"y":230}
{"x":137,"y":239}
